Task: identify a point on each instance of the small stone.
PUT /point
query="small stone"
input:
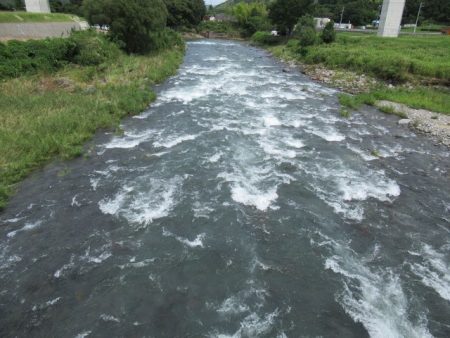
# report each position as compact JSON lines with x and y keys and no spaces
{"x":285,"y":70}
{"x":404,"y":121}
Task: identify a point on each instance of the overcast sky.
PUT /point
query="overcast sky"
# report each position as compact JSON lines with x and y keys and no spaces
{"x":213,"y":2}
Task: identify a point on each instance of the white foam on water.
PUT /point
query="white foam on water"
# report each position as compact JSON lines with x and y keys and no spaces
{"x":61,"y":271}
{"x":143,"y":207}
{"x":271,"y":121}
{"x":109,"y":318}
{"x":434,"y":270}
{"x":197,"y":242}
{"x":232,"y":306}
{"x":365,"y":155}
{"x":215,"y":158}
{"x":83,"y":334}
{"x":295,"y":143}
{"x":201,"y":210}
{"x":358,"y":190}
{"x":111,"y":206}
{"x":327,"y":133}
{"x":344,"y":189}
{"x":138,"y":265}
{"x":270,"y":148}
{"x":75,"y":202}
{"x":26,"y":227}
{"x":174,"y":140}
{"x":250,"y":195}
{"x":130,"y":139}
{"x":97,"y":258}
{"x":46,"y":304}
{"x":373,"y":298}
{"x":252,"y":326}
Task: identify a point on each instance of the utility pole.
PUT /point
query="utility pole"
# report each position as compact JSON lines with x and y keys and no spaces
{"x":342,"y":14}
{"x":418,"y":14}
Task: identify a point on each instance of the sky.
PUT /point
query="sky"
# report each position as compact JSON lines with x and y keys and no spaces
{"x":213,"y":2}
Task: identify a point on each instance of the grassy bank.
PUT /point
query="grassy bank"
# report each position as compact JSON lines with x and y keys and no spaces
{"x":51,"y":114}
{"x":433,"y":99}
{"x":24,"y":17}
{"x":414,"y":64}
{"x":407,"y":58}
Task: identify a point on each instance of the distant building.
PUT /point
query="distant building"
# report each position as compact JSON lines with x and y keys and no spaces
{"x":343,"y":25}
{"x":37,"y":6}
{"x":320,"y":23}
{"x":223,"y":17}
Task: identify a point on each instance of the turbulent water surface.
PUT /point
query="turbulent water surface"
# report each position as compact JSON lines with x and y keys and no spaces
{"x":239,"y":205}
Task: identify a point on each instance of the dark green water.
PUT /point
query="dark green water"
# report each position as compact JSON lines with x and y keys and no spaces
{"x":239,"y":205}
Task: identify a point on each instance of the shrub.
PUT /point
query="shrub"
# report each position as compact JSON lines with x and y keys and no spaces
{"x":29,"y":57}
{"x":133,"y":23}
{"x":328,"y":33}
{"x":307,"y":36}
{"x":92,"y":48}
{"x":165,"y":39}
{"x":265,"y":38}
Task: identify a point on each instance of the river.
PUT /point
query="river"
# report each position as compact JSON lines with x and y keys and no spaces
{"x":240,"y":204}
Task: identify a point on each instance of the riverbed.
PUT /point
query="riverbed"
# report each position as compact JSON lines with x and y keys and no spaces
{"x":240,"y":204}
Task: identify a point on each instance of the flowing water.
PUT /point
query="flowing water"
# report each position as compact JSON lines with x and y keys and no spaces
{"x":239,"y":205}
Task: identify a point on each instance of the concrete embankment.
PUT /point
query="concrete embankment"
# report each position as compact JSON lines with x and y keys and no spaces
{"x":24,"y":31}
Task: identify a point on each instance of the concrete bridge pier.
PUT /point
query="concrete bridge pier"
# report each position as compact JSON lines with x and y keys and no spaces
{"x":391,"y":18}
{"x":37,"y":6}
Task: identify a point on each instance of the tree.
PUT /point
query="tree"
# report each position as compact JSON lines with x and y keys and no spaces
{"x":285,"y":13}
{"x":185,"y":13}
{"x":251,"y":17}
{"x":328,"y":33}
{"x":133,"y":23}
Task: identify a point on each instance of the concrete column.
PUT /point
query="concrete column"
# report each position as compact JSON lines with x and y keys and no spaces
{"x":391,"y":18}
{"x":37,"y":6}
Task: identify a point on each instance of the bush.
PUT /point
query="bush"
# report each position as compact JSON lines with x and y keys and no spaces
{"x":165,"y":39}
{"x":307,"y":36}
{"x":92,"y":48}
{"x":328,"y":33}
{"x":29,"y":57}
{"x":133,"y":23}
{"x":265,"y":38}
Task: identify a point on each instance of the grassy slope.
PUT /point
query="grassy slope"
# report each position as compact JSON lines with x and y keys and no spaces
{"x":23,"y":17}
{"x":48,"y":116}
{"x":414,"y":59}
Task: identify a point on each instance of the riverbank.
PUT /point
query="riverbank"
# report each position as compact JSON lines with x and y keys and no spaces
{"x":375,"y":71}
{"x":53,"y":113}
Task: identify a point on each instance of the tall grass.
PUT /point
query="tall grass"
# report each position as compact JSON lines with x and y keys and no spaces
{"x":434,"y":99}
{"x":50,"y":115}
{"x":399,"y":60}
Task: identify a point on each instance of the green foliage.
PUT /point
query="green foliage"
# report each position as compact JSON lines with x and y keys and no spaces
{"x":32,"y":56}
{"x":41,"y":120}
{"x":386,"y":58}
{"x":285,"y":13}
{"x":328,"y":34}
{"x":432,"y":99}
{"x":133,"y":23}
{"x":91,"y":48}
{"x":344,"y":113}
{"x":307,"y":36}
{"x":229,"y":28}
{"x":72,"y":6}
{"x":251,"y":17}
{"x":305,"y":21}
{"x":265,"y":38}
{"x":184,"y":13}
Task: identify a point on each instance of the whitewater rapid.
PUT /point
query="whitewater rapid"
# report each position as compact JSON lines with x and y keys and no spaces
{"x":240,"y":204}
